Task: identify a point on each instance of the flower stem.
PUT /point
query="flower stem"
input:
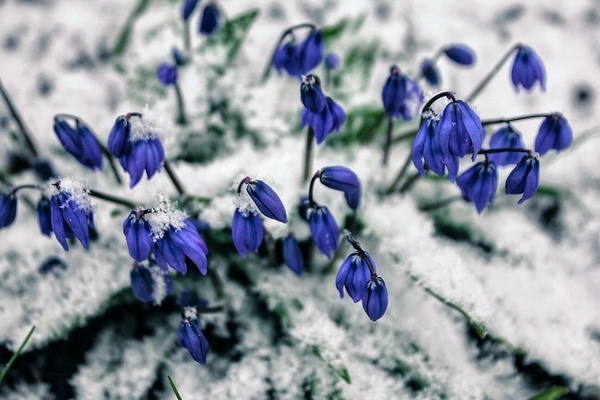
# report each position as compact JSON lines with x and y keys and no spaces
{"x":112,"y":199}
{"x":311,"y":200}
{"x":400,"y":175}
{"x":173,"y":176}
{"x":486,"y":122}
{"x":17,"y":118}
{"x":187,"y":43}
{"x":491,"y":74}
{"x":181,"y":118}
{"x":288,"y":31}
{"x":14,"y":356}
{"x":439,"y":204}
{"x":505,"y":150}
{"x":447,"y":94}
{"x":173,"y":387}
{"x":409,"y":182}
{"x":310,"y":138}
{"x":388,"y":141}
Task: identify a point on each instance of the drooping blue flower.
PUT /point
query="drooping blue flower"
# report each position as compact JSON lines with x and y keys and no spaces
{"x":426,"y":151}
{"x":44,"y":216}
{"x":311,"y":95}
{"x":138,"y":234}
{"x":554,"y":133}
{"x":150,"y":283}
{"x":299,"y":59}
{"x":394,"y":92}
{"x":144,"y":155}
{"x":343,"y":179}
{"x":524,"y":178}
{"x":430,"y":72}
{"x":506,"y":138}
{"x":527,"y":69}
{"x":187,"y":8}
{"x":330,"y":119}
{"x":247,"y":232}
{"x":8,"y":209}
{"x":459,"y":130}
{"x":167,"y":74}
{"x":332,"y":61}
{"x":292,"y":255}
{"x":80,"y":142}
{"x":191,"y":337}
{"x":210,"y":19}
{"x":354,"y":274}
{"x":375,"y":298}
{"x":265,"y":198}
{"x":181,"y":246}
{"x":460,"y":54}
{"x":324,"y":230}
{"x":71,"y":213}
{"x":118,"y":138}
{"x":478,"y":184}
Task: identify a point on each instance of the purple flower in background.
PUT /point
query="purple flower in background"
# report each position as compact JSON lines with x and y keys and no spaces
{"x":150,"y":283}
{"x":332,"y":61}
{"x":343,"y":179}
{"x":311,"y":95}
{"x":80,"y":142}
{"x":430,"y":72}
{"x":138,"y":234}
{"x":375,"y":298}
{"x":292,"y":255}
{"x":210,"y":19}
{"x":527,"y":69}
{"x":71,"y":212}
{"x":167,"y":74}
{"x":187,"y":8}
{"x":524,"y":178}
{"x":478,"y":184}
{"x":191,"y":337}
{"x":554,"y":133}
{"x":8,"y":209}
{"x":460,"y":54}
{"x":506,"y":138}
{"x":354,"y":274}
{"x":324,"y":230}
{"x":459,"y":130}
{"x":247,"y":232}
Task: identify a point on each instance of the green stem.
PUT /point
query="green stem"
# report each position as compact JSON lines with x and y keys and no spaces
{"x":17,"y":118}
{"x":388,"y":141}
{"x":409,"y":182}
{"x":187,"y":43}
{"x":310,"y":138}
{"x":400,"y":175}
{"x":14,"y":356}
{"x":439,"y":204}
{"x":181,"y":118}
{"x":112,"y":199}
{"x":174,"y":387}
{"x":173,"y":176}
{"x":512,"y":119}
{"x":492,"y":73}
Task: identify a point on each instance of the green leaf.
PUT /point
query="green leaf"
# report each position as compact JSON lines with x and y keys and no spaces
{"x":361,"y":126}
{"x":332,"y":359}
{"x":125,"y":33}
{"x":174,"y":388}
{"x":232,"y":33}
{"x":359,"y":62}
{"x":334,"y":32}
{"x":17,"y":353}
{"x":554,"y":393}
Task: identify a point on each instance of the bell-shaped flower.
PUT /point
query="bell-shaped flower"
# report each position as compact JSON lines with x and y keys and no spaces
{"x":145,"y":155}
{"x":506,"y":138}
{"x":210,"y":20}
{"x":394,"y":92}
{"x":80,"y":142}
{"x":324,"y":230}
{"x":332,"y":61}
{"x":459,"y":130}
{"x":139,"y":237}
{"x":343,"y":179}
{"x":375,"y":298}
{"x":71,"y":212}
{"x":118,"y":138}
{"x":527,"y":69}
{"x":426,"y":151}
{"x":311,"y":95}
{"x":247,"y":232}
{"x":8,"y":209}
{"x":150,"y":283}
{"x":187,"y":8}
{"x":44,"y":216}
{"x":478,"y":184}
{"x":167,"y":74}
{"x":191,"y":337}
{"x":292,"y":255}
{"x":267,"y":201}
{"x":299,"y":59}
{"x":524,"y":178}
{"x":413,"y":100}
{"x":354,"y":274}
{"x":180,"y":246}
{"x":430,"y":72}
{"x":330,"y":119}
{"x":460,"y":54}
{"x":554,"y":133}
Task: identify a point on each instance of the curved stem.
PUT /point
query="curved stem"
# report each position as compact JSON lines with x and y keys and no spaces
{"x":173,"y":176}
{"x":311,"y":200}
{"x":288,"y":31}
{"x":409,"y":182}
{"x":17,"y":118}
{"x":491,"y":74}
{"x":449,"y":95}
{"x":512,"y":119}
{"x":361,"y":253}
{"x":310,"y":138}
{"x":112,"y":199}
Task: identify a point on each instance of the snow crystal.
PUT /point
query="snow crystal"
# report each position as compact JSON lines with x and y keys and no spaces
{"x":165,"y":216}
{"x":151,"y":124}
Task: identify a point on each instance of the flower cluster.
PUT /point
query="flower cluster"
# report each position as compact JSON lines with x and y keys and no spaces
{"x":298,"y":59}
{"x":320,"y":112}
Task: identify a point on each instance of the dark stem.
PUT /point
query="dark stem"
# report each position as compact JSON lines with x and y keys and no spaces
{"x":211,"y":310}
{"x":427,"y":106}
{"x":288,"y":31}
{"x":17,"y":118}
{"x":439,"y":204}
{"x":16,"y":354}
{"x":173,"y":176}
{"x":486,"y":122}
{"x":174,"y":388}
{"x":388,"y":141}
{"x":187,"y":43}
{"x":409,"y":182}
{"x":433,"y":60}
{"x":112,"y":199}
{"x":29,"y":186}
{"x":310,"y":138}
{"x":505,"y":150}
{"x":181,"y":119}
{"x":361,"y":253}
{"x":492,"y":73}
{"x":311,"y":201}
{"x":400,"y":175}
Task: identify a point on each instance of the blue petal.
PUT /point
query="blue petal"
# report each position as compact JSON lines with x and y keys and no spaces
{"x":57,"y":221}
{"x":292,"y":255}
{"x":375,"y":299}
{"x":324,"y":230}
{"x":267,"y":201}
{"x":8,"y":209}
{"x":460,"y":54}
{"x":118,"y":138}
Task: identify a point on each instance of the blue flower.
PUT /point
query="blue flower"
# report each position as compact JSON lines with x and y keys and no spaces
{"x":304,"y":208}
{"x":118,"y":138}
{"x":8,"y":209}
{"x":210,"y":19}
{"x":343,"y":179}
{"x":394,"y":91}
{"x":150,"y":283}
{"x":459,"y":130}
{"x":506,"y":138}
{"x":265,"y":198}
{"x":167,"y":74}
{"x":292,"y":255}
{"x":191,"y":337}
{"x":354,"y":274}
{"x":375,"y":298}
{"x":80,"y":142}
{"x":300,"y":59}
{"x":44,"y":216}
{"x":138,"y":234}
{"x":71,"y":213}
{"x":430,"y":72}
{"x":332,"y":61}
{"x":426,"y":151}
{"x":311,"y":95}
{"x":413,"y":100}
{"x":187,"y":8}
{"x":330,"y":119}
{"x":247,"y":232}
{"x":554,"y":133}
{"x":460,"y":54}
{"x":478,"y":184}
{"x":181,"y":246}
{"x":144,"y":155}
{"x":527,"y":69}
{"x":524,"y":178}
{"x":324,"y":230}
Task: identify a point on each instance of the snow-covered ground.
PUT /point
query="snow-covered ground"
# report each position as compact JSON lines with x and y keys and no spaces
{"x":527,"y":274}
